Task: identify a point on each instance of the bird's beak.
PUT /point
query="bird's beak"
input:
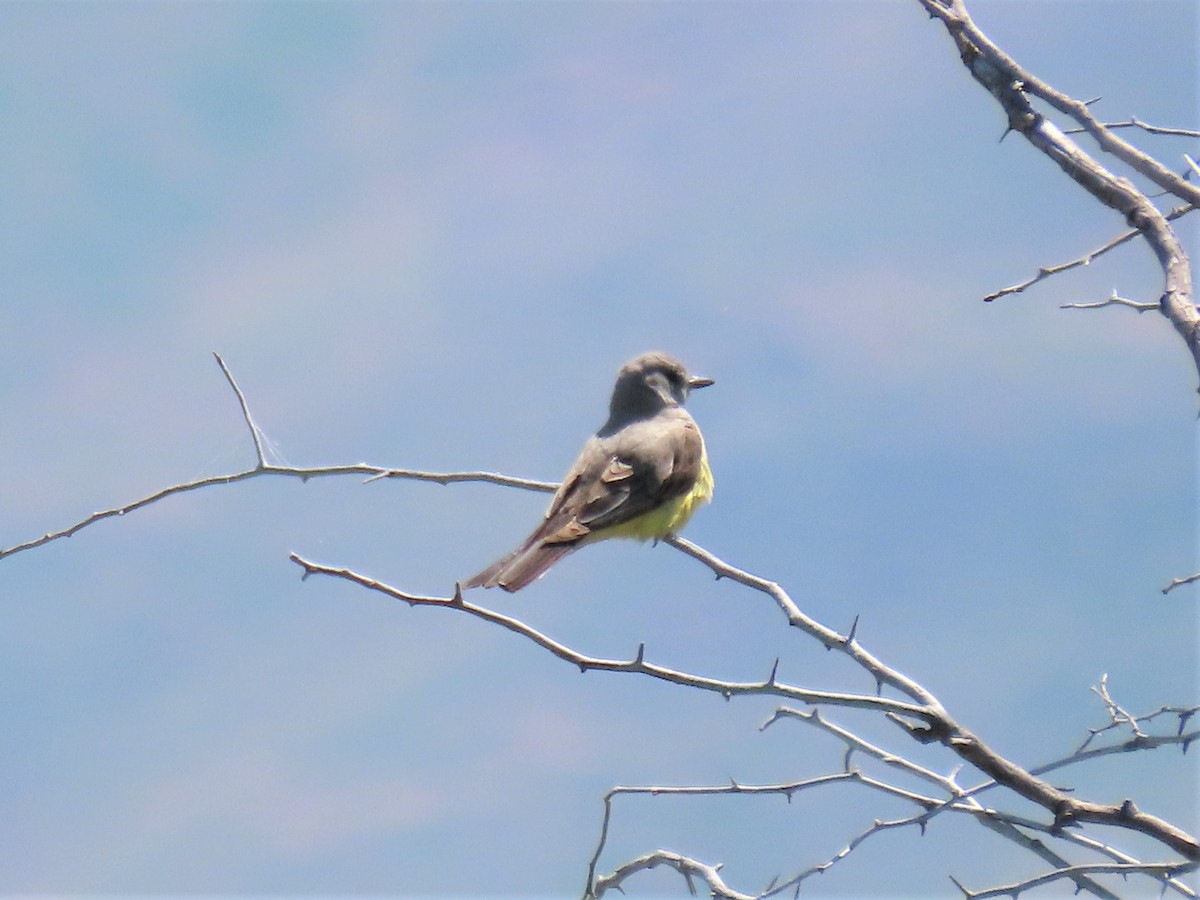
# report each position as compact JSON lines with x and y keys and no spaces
{"x":697,"y":382}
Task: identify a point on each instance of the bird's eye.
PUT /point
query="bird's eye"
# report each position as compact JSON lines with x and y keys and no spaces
{"x":660,"y":381}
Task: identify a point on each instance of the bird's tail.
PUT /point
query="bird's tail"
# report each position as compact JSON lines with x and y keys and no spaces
{"x":525,"y":564}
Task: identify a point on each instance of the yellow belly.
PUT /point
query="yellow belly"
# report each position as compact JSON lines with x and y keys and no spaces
{"x":667,"y":519}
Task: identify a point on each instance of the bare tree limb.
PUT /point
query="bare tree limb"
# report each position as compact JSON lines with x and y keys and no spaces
{"x":1114,"y":300}
{"x":1013,"y":890}
{"x":264,"y":468}
{"x":947,"y":731}
{"x":1118,"y":717}
{"x":1007,"y":825}
{"x":1011,"y":827}
{"x":1135,"y":122}
{"x":770,"y":686}
{"x":883,"y":674}
{"x":1180,"y":582}
{"x":1012,"y":85}
{"x":255,"y":432}
{"x":1008,"y":82}
{"x":937,"y":725}
{"x":302,"y":472}
{"x":686,"y":866}
{"x":1086,"y":260}
{"x":786,"y":789}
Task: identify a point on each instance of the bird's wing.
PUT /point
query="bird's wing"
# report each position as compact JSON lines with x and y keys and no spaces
{"x":646,"y":464}
{"x":614,"y":480}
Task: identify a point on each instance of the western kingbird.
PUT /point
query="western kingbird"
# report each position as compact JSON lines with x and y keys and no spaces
{"x":641,"y":476}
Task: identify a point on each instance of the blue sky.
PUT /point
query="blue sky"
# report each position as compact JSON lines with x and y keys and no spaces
{"x":426,"y":235}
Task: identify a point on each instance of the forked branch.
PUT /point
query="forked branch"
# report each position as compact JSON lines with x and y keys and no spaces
{"x":1012,"y":86}
{"x":263,"y":467}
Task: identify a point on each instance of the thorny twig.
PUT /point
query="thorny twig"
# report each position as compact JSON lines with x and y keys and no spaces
{"x":264,"y":468}
{"x":1086,"y":260}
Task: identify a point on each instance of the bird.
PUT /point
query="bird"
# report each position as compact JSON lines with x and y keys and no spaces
{"x":642,"y":475}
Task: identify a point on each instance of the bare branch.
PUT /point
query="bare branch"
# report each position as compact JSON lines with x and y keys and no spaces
{"x":255,"y":432}
{"x":945,"y":730}
{"x":1138,"y":742}
{"x":1114,"y":300}
{"x":1135,"y":122}
{"x":856,"y":743}
{"x":1008,"y":82}
{"x":1116,"y":712}
{"x":882,"y":673}
{"x":1012,"y":890}
{"x":684,"y":865}
{"x":1004,"y":824}
{"x":262,"y":467}
{"x":526,"y":484}
{"x":962,"y":801}
{"x":1180,"y":582}
{"x":636,"y":665}
{"x":129,"y":507}
{"x":1085,"y":260}
{"x":1120,"y":717}
{"x":939,"y":727}
{"x":302,"y":472}
{"x":786,"y":789}
{"x":1011,"y":85}
{"x":1067,"y":809}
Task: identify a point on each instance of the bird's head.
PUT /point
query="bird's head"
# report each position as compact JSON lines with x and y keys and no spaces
{"x":649,"y":383}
